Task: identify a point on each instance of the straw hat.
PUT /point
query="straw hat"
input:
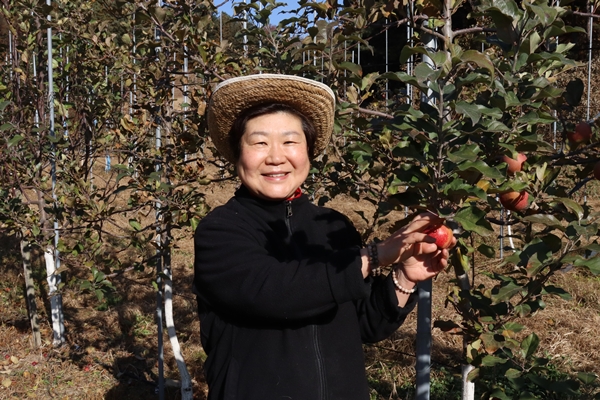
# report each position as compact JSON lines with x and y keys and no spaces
{"x":313,"y":99}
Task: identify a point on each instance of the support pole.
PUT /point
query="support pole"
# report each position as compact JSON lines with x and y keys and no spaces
{"x":51,"y":254}
{"x":423,"y":367}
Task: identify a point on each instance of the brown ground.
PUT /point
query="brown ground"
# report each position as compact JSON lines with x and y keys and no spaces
{"x":112,"y":354}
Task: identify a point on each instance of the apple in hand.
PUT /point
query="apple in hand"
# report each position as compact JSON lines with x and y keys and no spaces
{"x":442,"y":235}
{"x":582,"y":133}
{"x":514,"y":165}
{"x":514,"y":201}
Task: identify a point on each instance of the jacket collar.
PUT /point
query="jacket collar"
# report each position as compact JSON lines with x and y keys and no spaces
{"x":245,"y":197}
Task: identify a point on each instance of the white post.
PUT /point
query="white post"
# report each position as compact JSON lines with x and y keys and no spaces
{"x":591,"y":42}
{"x":245,"y":26}
{"x":423,"y":365}
{"x":51,"y":254}
{"x":159,"y":268}
{"x":386,"y":61}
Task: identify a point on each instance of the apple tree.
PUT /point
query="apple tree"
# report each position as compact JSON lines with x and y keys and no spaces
{"x":494,"y":88}
{"x":492,"y":94}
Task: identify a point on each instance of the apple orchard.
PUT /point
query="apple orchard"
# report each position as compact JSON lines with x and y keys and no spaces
{"x":478,"y":117}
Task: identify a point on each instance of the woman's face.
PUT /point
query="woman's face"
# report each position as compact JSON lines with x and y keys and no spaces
{"x":274,"y":158}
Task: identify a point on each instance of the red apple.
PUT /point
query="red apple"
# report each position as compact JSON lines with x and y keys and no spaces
{"x":514,"y":201}
{"x":582,"y":133}
{"x":597,"y":170}
{"x":442,"y":235}
{"x":514,"y":165}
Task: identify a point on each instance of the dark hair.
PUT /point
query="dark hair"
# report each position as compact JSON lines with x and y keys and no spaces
{"x":239,"y":125}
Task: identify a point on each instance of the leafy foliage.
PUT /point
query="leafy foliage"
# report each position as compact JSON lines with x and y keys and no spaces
{"x":132,"y":80}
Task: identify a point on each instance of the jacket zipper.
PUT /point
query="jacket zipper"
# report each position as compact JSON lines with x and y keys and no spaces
{"x":320,"y":369}
{"x":315,"y":328}
{"x":288,"y":216}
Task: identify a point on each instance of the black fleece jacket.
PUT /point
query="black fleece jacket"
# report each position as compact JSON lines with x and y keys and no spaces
{"x":283,"y":306}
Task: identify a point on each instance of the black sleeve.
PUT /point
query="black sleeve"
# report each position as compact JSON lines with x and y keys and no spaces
{"x":379,"y":314}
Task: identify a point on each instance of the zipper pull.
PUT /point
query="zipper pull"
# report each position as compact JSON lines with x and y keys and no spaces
{"x":288,"y":208}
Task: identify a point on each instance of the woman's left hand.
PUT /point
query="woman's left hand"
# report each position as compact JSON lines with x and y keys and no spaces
{"x":422,"y":261}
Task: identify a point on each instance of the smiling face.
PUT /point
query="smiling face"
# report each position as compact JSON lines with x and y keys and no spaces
{"x":274,"y":159}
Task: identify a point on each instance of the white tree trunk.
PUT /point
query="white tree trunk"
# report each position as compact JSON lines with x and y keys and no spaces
{"x":186,"y":381}
{"x":53,"y":278}
{"x":468,"y":388}
{"x":30,"y":293}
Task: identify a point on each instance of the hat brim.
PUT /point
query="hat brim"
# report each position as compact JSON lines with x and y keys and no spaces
{"x":315,"y":100}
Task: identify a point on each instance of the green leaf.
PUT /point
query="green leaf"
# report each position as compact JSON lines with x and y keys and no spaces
{"x":425,"y":73}
{"x":490,"y":361}
{"x":505,"y":292}
{"x":481,"y":166}
{"x":126,"y":39}
{"x":523,"y":310}
{"x":6,"y":127}
{"x":474,"y":220}
{"x":470,"y":110}
{"x":354,"y":68}
{"x":368,"y":80}
{"x":587,"y":377}
{"x":545,"y":219}
{"x":159,"y":13}
{"x":135,"y":224}
{"x":15,"y":140}
{"x":593,"y":264}
{"x":488,"y":251}
{"x":558,"y":291}
{"x":473,"y":375}
{"x":458,"y":188}
{"x":512,"y":373}
{"x":513,"y":326}
{"x":529,"y":345}
{"x":504,"y":15}
{"x":546,"y":14}
{"x":573,"y":205}
{"x":480,"y":59}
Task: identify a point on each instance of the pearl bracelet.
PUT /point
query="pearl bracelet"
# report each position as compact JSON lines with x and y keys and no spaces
{"x":399,"y":287}
{"x":373,"y":259}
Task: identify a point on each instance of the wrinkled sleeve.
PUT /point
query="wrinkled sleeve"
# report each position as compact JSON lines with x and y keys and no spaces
{"x":379,"y":313}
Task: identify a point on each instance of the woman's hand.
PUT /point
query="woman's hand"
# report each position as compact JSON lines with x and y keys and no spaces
{"x":414,"y":254}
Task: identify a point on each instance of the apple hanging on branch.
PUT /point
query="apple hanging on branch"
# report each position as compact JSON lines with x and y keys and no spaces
{"x":514,"y":201}
{"x":514,"y":165}
{"x":581,"y":134}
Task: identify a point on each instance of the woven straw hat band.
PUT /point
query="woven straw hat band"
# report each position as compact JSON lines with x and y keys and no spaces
{"x":313,"y":99}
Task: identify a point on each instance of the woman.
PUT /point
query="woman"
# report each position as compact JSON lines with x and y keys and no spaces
{"x":286,"y":292}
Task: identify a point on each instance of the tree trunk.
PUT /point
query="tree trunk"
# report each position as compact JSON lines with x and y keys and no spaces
{"x":56,"y":310}
{"x":186,"y":381}
{"x":30,"y":293}
{"x":53,"y":279}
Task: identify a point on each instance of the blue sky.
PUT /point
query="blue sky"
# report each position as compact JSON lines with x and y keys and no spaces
{"x":275,"y":18}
